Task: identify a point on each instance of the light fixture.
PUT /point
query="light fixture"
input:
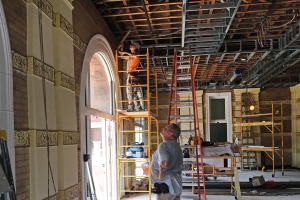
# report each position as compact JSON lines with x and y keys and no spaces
{"x":252,"y":107}
{"x":236,"y":73}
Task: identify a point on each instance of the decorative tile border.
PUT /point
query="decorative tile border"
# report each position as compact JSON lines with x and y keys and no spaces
{"x":60,"y":22}
{"x":79,"y":43}
{"x":19,"y":62}
{"x":67,"y":82}
{"x":22,"y":138}
{"x":72,"y":192}
{"x":47,"y":8}
{"x":38,"y":138}
{"x":66,"y":26}
{"x":70,"y":138}
{"x":35,"y":67}
{"x":41,"y":138}
{"x":64,"y":81}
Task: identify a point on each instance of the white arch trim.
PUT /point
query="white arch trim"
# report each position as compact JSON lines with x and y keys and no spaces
{"x":6,"y":88}
{"x":97,"y":44}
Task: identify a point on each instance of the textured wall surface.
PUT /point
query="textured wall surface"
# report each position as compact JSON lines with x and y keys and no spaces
{"x":277,"y":95}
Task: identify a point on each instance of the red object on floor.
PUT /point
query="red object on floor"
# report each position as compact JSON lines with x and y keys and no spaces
{"x":270,"y":184}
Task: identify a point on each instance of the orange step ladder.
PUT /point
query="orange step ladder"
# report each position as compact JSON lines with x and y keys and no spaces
{"x":184,"y":112}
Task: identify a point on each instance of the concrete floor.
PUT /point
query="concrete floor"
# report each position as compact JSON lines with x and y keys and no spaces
{"x":223,"y":197}
{"x":290,"y":175}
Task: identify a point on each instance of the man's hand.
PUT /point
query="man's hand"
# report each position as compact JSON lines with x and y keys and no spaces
{"x":156,"y":174}
{"x":164,"y":164}
{"x":120,"y":47}
{"x":124,"y":53}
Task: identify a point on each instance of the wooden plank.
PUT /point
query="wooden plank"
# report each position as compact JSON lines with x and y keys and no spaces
{"x":237,"y":184}
{"x":257,"y":115}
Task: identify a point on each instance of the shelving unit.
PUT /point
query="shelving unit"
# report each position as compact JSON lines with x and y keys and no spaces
{"x":271,"y":120}
{"x":133,"y":128}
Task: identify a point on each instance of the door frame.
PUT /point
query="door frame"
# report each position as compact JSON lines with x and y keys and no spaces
{"x":6,"y":87}
{"x":106,"y":147}
{"x":228,"y":112}
{"x":97,"y":44}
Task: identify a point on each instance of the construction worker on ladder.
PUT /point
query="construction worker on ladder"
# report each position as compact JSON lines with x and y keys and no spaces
{"x":134,"y":93}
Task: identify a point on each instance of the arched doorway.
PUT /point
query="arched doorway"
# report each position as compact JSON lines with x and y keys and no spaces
{"x":98,"y":119}
{"x":6,"y":88}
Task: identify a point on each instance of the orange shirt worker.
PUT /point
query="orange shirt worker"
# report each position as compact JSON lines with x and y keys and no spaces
{"x":134,"y":93}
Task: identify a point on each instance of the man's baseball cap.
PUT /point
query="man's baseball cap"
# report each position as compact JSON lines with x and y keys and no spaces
{"x":136,"y":44}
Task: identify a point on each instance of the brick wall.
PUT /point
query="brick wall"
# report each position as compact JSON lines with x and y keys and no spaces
{"x":87,"y":22}
{"x":15,"y":13}
{"x":265,"y":100}
{"x":20,"y":100}
{"x":22,"y":173}
{"x":16,"y":19}
{"x":78,"y":61}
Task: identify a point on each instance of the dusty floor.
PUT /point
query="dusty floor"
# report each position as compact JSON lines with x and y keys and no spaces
{"x":290,"y":175}
{"x":222,"y":197}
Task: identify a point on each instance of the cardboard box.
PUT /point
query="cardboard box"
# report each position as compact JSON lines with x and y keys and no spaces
{"x":258,"y":180}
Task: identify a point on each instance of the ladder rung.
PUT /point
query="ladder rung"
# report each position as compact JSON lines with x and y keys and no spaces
{"x":187,"y":132}
{"x":183,"y":75}
{"x":181,"y":116}
{"x":182,"y":101}
{"x":185,"y":106}
{"x":182,"y":88}
{"x":180,"y":56}
{"x":189,"y":159}
{"x":184,"y":67}
{"x":183,"y":78}
{"x":184,"y":92}
{"x":185,"y":120}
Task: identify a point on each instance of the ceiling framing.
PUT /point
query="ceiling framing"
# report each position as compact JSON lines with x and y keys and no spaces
{"x":259,"y":39}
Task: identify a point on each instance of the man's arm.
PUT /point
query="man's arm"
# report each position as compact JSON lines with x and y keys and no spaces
{"x":162,"y":168}
{"x":122,"y":53}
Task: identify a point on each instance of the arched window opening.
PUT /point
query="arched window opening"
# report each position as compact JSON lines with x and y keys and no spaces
{"x":97,"y":119}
